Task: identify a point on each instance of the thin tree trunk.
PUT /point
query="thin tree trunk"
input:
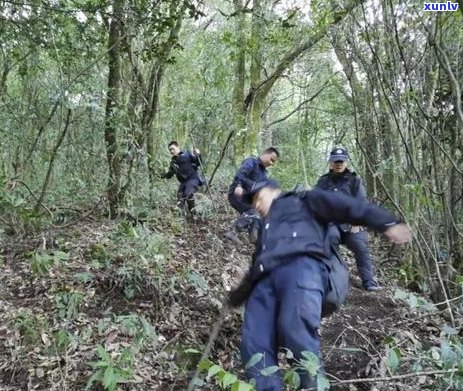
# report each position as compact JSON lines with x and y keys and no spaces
{"x":239,"y":111}
{"x":46,"y":182}
{"x":112,"y":105}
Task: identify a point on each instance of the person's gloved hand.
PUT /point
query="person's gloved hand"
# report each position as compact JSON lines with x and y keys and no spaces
{"x":238,"y":295}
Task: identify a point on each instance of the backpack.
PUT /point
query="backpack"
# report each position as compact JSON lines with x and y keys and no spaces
{"x":338,"y":276}
{"x":196,"y":166}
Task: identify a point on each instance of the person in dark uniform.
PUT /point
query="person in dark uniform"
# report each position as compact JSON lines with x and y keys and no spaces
{"x":184,"y":165}
{"x":253,"y":169}
{"x":289,"y":278}
{"x":354,"y":237}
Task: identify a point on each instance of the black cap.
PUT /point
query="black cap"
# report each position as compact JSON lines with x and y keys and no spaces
{"x":339,"y":154}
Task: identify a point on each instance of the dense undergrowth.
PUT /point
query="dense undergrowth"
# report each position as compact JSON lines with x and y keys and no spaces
{"x":90,"y":303}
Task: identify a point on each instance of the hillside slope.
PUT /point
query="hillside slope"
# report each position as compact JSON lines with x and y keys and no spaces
{"x":141,"y":299}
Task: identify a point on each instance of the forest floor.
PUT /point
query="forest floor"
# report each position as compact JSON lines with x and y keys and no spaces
{"x":148,"y":296}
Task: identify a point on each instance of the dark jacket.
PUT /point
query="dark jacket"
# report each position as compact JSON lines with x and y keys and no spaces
{"x":297,"y":225}
{"x":251,"y":170}
{"x":184,"y":166}
{"x":348,"y":182}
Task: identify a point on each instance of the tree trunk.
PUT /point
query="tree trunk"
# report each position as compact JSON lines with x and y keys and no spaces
{"x":112,"y":106}
{"x":239,"y":111}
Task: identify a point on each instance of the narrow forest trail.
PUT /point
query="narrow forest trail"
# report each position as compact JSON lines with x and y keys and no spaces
{"x":56,"y":309}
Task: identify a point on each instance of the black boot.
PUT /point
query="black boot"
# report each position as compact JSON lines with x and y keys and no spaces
{"x":191,"y":205}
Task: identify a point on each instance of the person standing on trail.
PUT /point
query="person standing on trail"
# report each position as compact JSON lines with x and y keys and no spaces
{"x":289,"y":279}
{"x":354,"y":237}
{"x":253,"y":169}
{"x":184,"y":164}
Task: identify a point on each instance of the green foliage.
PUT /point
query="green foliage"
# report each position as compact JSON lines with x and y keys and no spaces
{"x":17,"y":214}
{"x":310,"y":363}
{"x":204,"y":207}
{"x":198,"y":281}
{"x":133,"y":259}
{"x":408,"y":274}
{"x":30,"y":326}
{"x":98,"y":252}
{"x":414,"y":301}
{"x":117,"y":367}
{"x":421,"y":195}
{"x":137,"y":327}
{"x":393,"y":357}
{"x":224,"y":379}
{"x":111,"y":369}
{"x":62,"y":339}
{"x":68,"y":302}
{"x":446,"y":355}
{"x":42,"y":262}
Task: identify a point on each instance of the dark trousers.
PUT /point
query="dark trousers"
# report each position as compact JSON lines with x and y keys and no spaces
{"x":358,"y":244}
{"x":284,"y":310}
{"x":185,"y":193}
{"x":237,"y":202}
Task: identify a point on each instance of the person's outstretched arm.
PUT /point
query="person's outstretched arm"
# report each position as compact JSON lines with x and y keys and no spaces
{"x":340,"y":208}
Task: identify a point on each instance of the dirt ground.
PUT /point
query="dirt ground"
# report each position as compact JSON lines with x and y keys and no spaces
{"x":353,"y":340}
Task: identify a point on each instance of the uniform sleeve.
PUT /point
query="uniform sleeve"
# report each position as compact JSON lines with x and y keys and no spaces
{"x":170,"y":173}
{"x":340,"y":208}
{"x":242,"y":175}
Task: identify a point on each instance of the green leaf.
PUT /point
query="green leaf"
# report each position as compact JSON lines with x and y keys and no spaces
{"x":292,"y":378}
{"x":255,"y":358}
{"x":269,"y":370}
{"x":413,"y":301}
{"x":205,"y":364}
{"x":228,"y":380}
{"x":289,"y":354}
{"x":109,"y":380}
{"x":98,"y":364}
{"x":60,"y":256}
{"x":448,"y":355}
{"x":95,"y":377}
{"x":311,"y":363}
{"x":213,"y":370}
{"x":393,"y":359}
{"x":241,"y":386}
{"x":198,"y":382}
{"x":322,"y":383}
{"x":103,"y":353}
{"x":401,"y":295}
{"x":389,"y":340}
{"x":84,"y":277}
{"x":435,"y":354}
